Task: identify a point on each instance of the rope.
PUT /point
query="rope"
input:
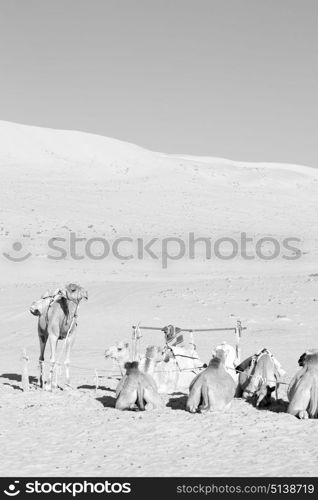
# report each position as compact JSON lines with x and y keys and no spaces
{"x":252,"y":375}
{"x":88,"y":369}
{"x":161,"y":371}
{"x":94,"y":369}
{"x":81,"y":367}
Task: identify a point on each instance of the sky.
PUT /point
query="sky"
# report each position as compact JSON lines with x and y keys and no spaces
{"x":226,"y":78}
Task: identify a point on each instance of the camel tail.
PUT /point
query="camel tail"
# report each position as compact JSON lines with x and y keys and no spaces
{"x":313,"y":405}
{"x":140,"y":397}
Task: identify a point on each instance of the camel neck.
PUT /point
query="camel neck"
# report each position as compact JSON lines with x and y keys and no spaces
{"x":70,"y":308}
{"x":149,"y":365}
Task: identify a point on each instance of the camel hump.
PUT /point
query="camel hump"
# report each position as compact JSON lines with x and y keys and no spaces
{"x":215,"y":362}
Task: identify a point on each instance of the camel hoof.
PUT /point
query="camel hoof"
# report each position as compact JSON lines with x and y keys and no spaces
{"x":192,"y":409}
{"x":149,"y":406}
{"x":203,"y":409}
{"x":303,"y":415}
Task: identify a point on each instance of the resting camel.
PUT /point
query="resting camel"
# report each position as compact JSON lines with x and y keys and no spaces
{"x":303,"y":357}
{"x":57,"y":321}
{"x":167,"y":374}
{"x":259,"y":376}
{"x":230,"y":357}
{"x":172,"y":367}
{"x":303,"y":388}
{"x":118,"y":353}
{"x":211,"y":390}
{"x":182,"y":364}
{"x":136,"y":389}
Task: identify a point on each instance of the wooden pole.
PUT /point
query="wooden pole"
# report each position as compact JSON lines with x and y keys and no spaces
{"x":96,"y":382}
{"x":134,"y":340}
{"x":24,"y":372}
{"x":193,"y":330}
{"x":238,"y":335}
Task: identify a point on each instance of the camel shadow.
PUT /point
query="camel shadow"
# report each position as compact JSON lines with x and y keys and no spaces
{"x":275,"y":406}
{"x":278,"y":406}
{"x":107,"y":401}
{"x":177,"y":403}
{"x":93,"y":387}
{"x":15,"y":377}
{"x":13,"y":386}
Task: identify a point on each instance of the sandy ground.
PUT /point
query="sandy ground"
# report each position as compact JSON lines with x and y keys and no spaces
{"x":49,"y":187}
{"x":80,"y":433}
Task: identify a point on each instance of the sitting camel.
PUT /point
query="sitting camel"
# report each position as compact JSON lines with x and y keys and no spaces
{"x":166,"y":374}
{"x":181,"y":364}
{"x":211,"y":390}
{"x":57,"y":314}
{"x":303,"y":388}
{"x":230,"y":357}
{"x":259,"y":376}
{"x":118,"y":353}
{"x":136,"y":389}
{"x":172,"y":367}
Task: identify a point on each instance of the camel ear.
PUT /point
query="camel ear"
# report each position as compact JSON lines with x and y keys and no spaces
{"x":63,"y":293}
{"x":302,"y":359}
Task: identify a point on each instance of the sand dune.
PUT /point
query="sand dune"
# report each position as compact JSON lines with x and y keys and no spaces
{"x":57,"y":182}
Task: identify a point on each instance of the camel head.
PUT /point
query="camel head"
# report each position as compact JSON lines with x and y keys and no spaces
{"x":38,"y":307}
{"x":166,"y":353}
{"x":186,"y":352}
{"x":119,"y":352}
{"x":264,"y":395}
{"x":262,"y":379}
{"x":254,"y":387}
{"x":154,"y":353}
{"x":226,"y":353}
{"x":309,"y":357}
{"x":74,"y":292}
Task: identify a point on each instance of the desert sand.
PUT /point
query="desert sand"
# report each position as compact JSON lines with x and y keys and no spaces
{"x":54,"y":183}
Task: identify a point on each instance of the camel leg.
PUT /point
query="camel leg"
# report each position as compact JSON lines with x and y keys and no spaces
{"x":151,"y":399}
{"x":298,"y":406}
{"x":126,"y":401}
{"x":53,"y":344}
{"x":194,"y":398}
{"x":228,"y":406}
{"x":303,"y":415}
{"x":205,"y":406}
{"x":43,"y":341}
{"x":68,"y":348}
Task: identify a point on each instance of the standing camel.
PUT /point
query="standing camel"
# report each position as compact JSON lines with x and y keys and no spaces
{"x":57,"y":321}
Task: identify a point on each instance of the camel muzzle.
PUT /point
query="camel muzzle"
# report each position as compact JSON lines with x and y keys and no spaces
{"x":35,"y":311}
